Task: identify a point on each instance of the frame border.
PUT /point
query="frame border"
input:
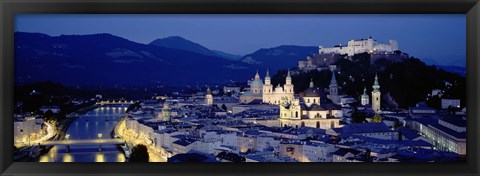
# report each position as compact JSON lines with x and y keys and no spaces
{"x":8,"y":9}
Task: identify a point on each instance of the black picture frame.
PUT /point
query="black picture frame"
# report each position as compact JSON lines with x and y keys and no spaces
{"x":9,"y":8}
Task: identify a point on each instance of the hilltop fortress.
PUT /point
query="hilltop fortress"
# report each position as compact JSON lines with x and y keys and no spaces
{"x":328,"y":56}
{"x":360,"y":46}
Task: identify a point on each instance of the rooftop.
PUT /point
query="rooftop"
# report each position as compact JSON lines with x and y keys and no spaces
{"x":355,"y":128}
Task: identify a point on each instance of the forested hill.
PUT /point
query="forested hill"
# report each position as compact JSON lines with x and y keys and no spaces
{"x":403,"y":84}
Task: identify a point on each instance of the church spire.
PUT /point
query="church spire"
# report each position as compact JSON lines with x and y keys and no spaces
{"x":311,"y":83}
{"x":209,"y":91}
{"x":288,"y":79}
{"x":257,"y":76}
{"x":267,"y":78}
{"x":334,"y":79}
{"x":376,"y":86}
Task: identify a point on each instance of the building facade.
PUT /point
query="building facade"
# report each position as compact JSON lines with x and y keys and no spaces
{"x":267,"y":93}
{"x":309,"y":113}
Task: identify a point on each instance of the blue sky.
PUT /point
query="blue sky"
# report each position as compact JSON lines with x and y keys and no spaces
{"x":437,"y":39}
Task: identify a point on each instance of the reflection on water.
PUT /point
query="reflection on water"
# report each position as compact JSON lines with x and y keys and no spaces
{"x":101,"y":120}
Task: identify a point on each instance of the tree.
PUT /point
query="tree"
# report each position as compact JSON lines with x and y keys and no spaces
{"x":139,"y":154}
{"x":357,"y":116}
{"x":133,"y":107}
{"x":377,"y":118}
{"x":48,"y":115}
{"x":368,"y":155}
{"x":396,"y":124}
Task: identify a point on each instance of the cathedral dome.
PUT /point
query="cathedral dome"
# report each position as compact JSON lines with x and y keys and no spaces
{"x":311,"y":92}
{"x":256,"y":84}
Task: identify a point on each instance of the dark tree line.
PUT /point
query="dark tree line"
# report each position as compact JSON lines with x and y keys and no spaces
{"x":407,"y":82}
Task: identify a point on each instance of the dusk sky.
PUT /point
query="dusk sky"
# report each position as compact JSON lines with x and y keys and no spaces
{"x":437,"y":38}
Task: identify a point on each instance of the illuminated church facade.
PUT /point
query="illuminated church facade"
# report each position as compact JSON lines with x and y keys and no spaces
{"x":267,"y":93}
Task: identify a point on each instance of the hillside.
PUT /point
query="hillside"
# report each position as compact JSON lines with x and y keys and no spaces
{"x":404,"y":83}
{"x":281,"y":57}
{"x":104,"y":59}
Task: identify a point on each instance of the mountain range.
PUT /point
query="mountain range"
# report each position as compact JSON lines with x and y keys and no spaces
{"x":105,"y":59}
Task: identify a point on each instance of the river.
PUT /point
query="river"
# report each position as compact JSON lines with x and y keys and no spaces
{"x":102,"y":121}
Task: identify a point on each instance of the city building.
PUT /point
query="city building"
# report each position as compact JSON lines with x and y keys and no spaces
{"x":255,"y":92}
{"x":373,"y":130}
{"x":448,"y":134}
{"x":309,"y":113}
{"x":274,"y":95}
{"x":26,"y":129}
{"x":267,"y":93}
{"x":209,"y":97}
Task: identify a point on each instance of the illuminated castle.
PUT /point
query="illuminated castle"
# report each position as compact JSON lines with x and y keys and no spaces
{"x":362,"y":45}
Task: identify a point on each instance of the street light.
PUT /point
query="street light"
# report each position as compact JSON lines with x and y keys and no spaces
{"x":67,"y":136}
{"x":99,"y":135}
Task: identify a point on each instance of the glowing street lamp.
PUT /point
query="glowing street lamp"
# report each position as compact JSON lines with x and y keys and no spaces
{"x":100,"y":135}
{"x":67,"y":136}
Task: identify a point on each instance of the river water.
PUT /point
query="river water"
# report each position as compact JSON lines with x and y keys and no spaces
{"x":100,"y":120}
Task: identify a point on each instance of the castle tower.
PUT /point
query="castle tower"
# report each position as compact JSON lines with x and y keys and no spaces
{"x":209,"y":97}
{"x":267,"y":90}
{"x":165,"y":111}
{"x":376,"y":95}
{"x":333,"y":89}
{"x":365,"y":98}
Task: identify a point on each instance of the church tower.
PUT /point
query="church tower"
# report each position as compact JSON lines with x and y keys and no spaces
{"x":288,"y":91}
{"x":165,"y":111}
{"x":376,"y":95}
{"x":365,"y":98}
{"x":209,"y":97}
{"x":334,"y":89}
{"x":288,"y":83}
{"x":267,"y":89}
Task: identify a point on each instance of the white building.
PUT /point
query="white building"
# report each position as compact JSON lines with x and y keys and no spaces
{"x":309,"y":113}
{"x":360,"y":46}
{"x":445,"y":134}
{"x":209,"y":97}
{"x":274,"y":96}
{"x":267,"y":93}
{"x":25,"y":130}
